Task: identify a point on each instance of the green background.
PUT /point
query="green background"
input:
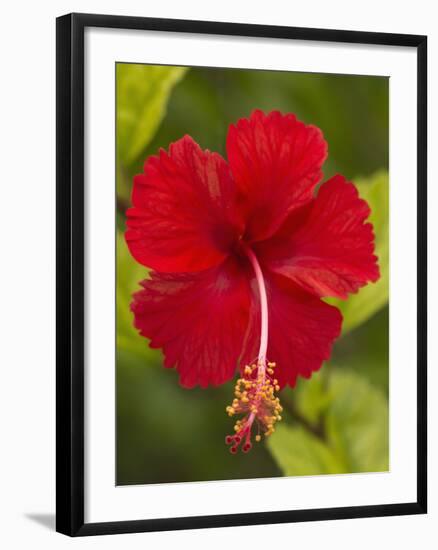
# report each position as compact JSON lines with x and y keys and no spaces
{"x":337,"y":422}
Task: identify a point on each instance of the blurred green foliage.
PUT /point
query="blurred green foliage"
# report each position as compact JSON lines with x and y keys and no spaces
{"x":339,"y":424}
{"x":142,"y":95}
{"x":128,"y":276}
{"x":338,"y":420}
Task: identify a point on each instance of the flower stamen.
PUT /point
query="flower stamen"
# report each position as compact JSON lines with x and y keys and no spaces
{"x":255,"y":399}
{"x":255,"y":391}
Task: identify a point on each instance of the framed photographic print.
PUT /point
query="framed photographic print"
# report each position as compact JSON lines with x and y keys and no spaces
{"x":241,"y":274}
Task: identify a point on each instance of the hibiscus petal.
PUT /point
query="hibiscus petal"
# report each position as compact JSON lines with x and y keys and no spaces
{"x":276,"y":161}
{"x":184,"y":216}
{"x":199,"y":320}
{"x":302,"y":329}
{"x":328,"y":247}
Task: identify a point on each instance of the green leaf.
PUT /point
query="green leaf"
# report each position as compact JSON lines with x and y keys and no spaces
{"x":142,"y":95}
{"x":359,"y":307}
{"x":355,"y":431}
{"x":129,"y":275}
{"x":300,"y":453}
{"x":311,"y":396}
{"x":357,"y":423}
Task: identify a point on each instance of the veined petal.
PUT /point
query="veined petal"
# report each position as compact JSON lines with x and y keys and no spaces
{"x":199,"y":320}
{"x":328,"y":248}
{"x":302,"y":329}
{"x":276,"y":161}
{"x":184,"y":216}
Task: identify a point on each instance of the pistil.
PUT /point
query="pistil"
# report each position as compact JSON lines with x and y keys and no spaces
{"x":254,"y":391}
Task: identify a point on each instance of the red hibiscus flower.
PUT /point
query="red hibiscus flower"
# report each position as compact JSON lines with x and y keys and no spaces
{"x":241,"y":254}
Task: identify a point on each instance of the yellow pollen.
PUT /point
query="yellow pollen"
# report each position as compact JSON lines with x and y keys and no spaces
{"x":255,"y":400}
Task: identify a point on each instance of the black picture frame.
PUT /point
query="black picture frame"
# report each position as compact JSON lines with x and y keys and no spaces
{"x":70,"y":273}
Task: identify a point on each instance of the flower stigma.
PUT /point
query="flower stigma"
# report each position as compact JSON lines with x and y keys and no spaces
{"x":254,"y":393}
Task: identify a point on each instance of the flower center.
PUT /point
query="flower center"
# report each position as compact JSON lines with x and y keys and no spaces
{"x":254,"y":396}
